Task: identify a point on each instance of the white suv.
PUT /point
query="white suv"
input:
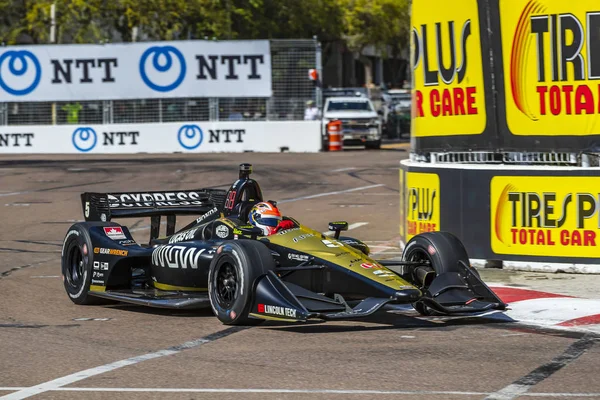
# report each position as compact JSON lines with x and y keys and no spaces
{"x":361,"y":124}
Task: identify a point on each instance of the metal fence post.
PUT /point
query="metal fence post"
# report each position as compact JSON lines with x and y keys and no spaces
{"x":319,"y":66}
{"x":3,"y":114}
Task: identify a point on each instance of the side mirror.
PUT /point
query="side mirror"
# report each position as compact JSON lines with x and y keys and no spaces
{"x":337,"y":227}
{"x":248,"y":230}
{"x":379,"y":112}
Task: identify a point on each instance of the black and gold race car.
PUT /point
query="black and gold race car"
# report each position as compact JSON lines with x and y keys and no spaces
{"x":221,"y":261}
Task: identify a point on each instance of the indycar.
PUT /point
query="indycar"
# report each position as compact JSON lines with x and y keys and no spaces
{"x":218,"y":260}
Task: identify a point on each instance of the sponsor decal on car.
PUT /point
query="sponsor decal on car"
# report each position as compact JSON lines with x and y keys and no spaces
{"x":283,"y":232}
{"x":97,"y":282}
{"x":111,"y":252}
{"x":98,"y":274}
{"x":369,"y":265}
{"x":277,"y":310}
{"x":329,"y":243}
{"x":114,"y":232}
{"x":127,"y":242}
{"x":208,"y":214}
{"x":297,"y":257}
{"x":383,"y":274}
{"x":222,"y":231}
{"x":299,"y":238}
{"x":183,"y":236}
{"x":155,"y":199}
{"x":169,"y":256}
{"x":101,"y":265}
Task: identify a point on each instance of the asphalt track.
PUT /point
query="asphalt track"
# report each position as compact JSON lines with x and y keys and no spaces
{"x":51,"y":348}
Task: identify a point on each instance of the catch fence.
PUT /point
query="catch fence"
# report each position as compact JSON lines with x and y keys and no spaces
{"x":291,"y":89}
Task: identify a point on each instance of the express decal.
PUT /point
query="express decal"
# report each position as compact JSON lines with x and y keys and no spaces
{"x":545,"y":216}
{"x":158,"y":199}
{"x":448,"y":72}
{"x":422,"y":203}
{"x":551,"y":60}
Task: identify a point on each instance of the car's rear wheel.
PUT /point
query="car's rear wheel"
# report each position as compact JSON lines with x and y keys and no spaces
{"x":76,"y":265}
{"x":439,"y":252}
{"x":232,"y":278}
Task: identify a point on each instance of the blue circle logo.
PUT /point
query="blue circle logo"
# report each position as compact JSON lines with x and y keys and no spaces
{"x":160,"y":71}
{"x":84,"y":138}
{"x":190,"y":136}
{"x":21,"y":67}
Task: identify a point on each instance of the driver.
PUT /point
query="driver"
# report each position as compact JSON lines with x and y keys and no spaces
{"x":266,"y":216}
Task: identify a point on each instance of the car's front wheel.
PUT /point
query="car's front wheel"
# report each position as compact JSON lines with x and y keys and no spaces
{"x":232,"y":278}
{"x":76,"y":265}
{"x":438,"y":252}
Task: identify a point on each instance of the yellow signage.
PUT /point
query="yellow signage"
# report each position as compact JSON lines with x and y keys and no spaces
{"x":551,"y":64}
{"x":545,"y":216}
{"x":448,"y":95}
{"x":422,"y":203}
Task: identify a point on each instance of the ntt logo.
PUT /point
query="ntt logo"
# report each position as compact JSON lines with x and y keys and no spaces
{"x":84,"y":138}
{"x":158,"y":69}
{"x":20,"y":72}
{"x":190,"y":136}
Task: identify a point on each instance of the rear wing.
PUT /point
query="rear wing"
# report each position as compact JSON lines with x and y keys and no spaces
{"x":106,"y":206}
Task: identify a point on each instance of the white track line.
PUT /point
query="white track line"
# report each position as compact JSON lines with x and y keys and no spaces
{"x":14,"y":193}
{"x":299,"y":391}
{"x":57,"y":384}
{"x":314,"y":196}
{"x":350,"y":227}
{"x":343,"y":169}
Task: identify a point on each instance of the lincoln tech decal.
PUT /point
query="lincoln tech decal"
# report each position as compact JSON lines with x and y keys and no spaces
{"x":551,"y":66}
{"x":422,"y":203}
{"x":545,"y":216}
{"x":448,"y":98}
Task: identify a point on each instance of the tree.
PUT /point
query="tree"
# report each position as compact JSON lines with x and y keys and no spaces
{"x":77,"y":21}
{"x":384,"y":24}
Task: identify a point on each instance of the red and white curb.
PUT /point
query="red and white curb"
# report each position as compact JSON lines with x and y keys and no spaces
{"x":545,"y":309}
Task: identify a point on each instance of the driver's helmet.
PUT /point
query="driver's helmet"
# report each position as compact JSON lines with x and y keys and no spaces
{"x":266,"y":216}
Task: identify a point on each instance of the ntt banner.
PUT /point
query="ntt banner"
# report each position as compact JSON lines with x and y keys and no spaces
{"x":185,"y":137}
{"x":135,"y":70}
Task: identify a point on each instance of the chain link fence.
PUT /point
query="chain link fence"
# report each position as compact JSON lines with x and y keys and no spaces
{"x":290,"y":62}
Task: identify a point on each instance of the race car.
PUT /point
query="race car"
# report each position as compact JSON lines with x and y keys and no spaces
{"x":221,"y":261}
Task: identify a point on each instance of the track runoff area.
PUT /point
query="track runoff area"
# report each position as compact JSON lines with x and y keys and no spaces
{"x":545,"y":346}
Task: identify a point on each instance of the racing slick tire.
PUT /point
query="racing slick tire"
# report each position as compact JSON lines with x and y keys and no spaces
{"x":76,"y":264}
{"x":442,"y":251}
{"x":232,"y":277}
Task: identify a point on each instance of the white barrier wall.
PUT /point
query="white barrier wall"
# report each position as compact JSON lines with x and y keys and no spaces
{"x":183,"y":137}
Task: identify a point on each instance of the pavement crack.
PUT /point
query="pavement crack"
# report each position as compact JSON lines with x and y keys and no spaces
{"x":10,"y":271}
{"x":523,"y":384}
